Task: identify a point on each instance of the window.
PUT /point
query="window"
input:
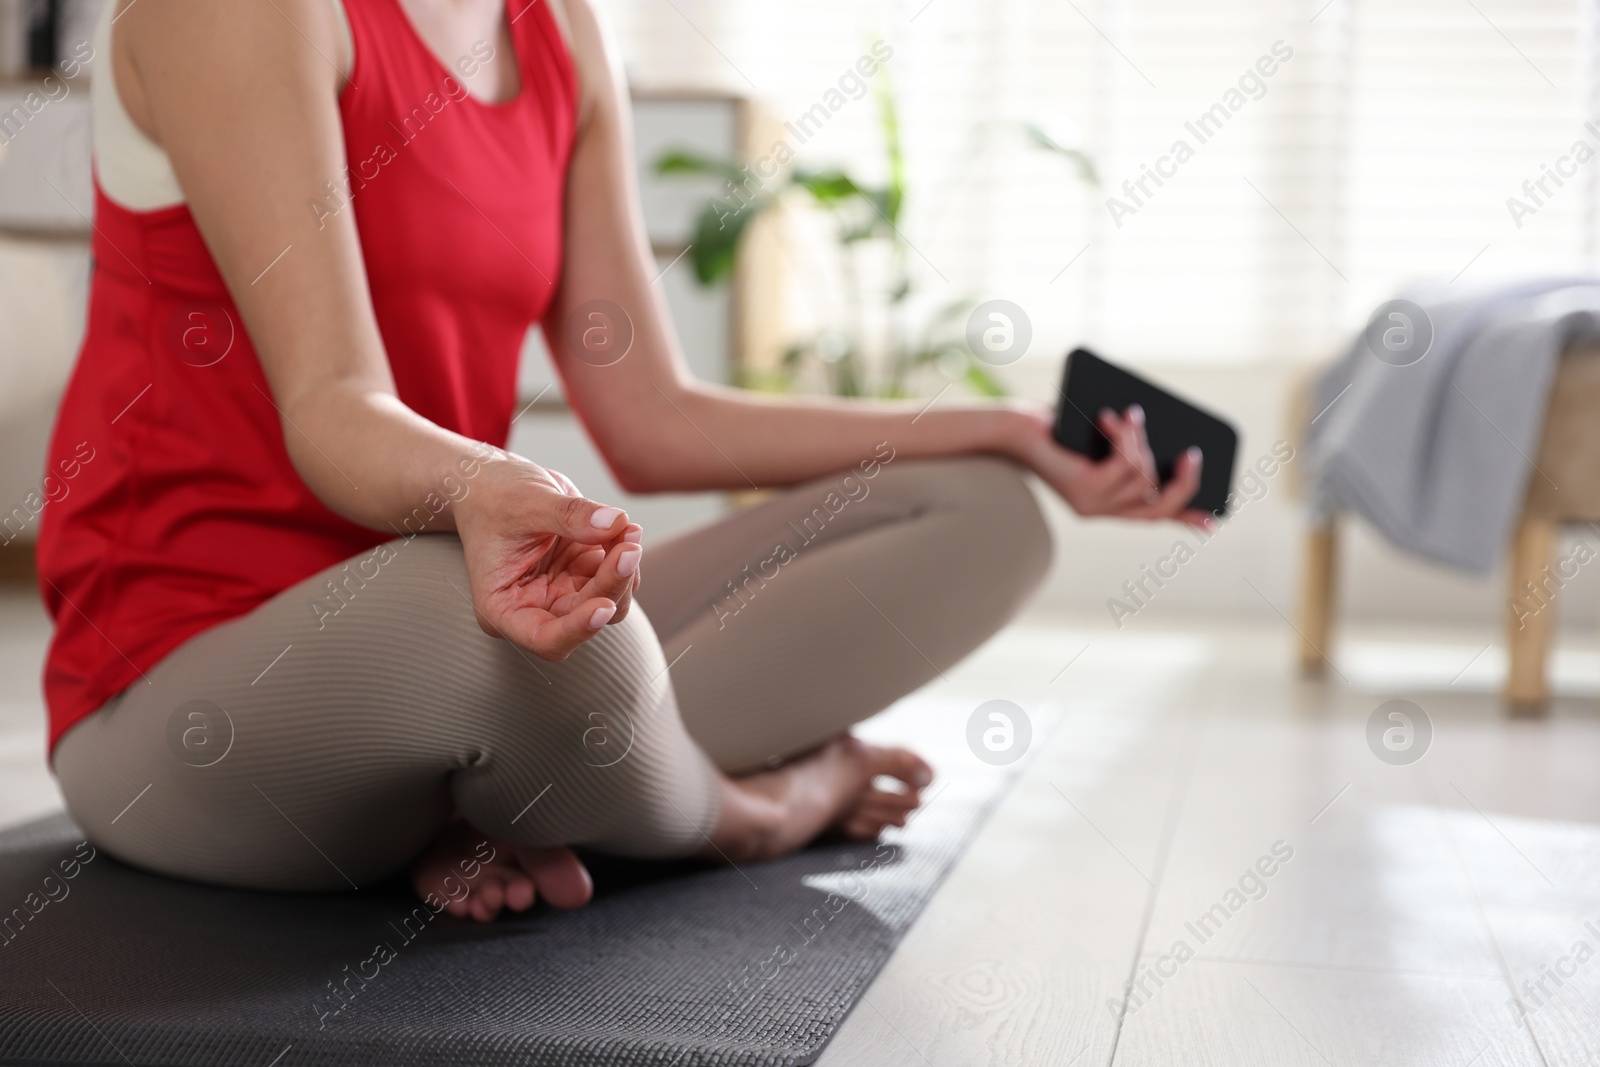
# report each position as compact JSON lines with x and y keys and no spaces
{"x":1336,"y":150}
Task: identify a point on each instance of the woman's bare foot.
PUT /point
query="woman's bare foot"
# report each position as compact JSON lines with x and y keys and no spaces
{"x":474,"y":875}
{"x":764,"y":815}
{"x":772,"y":813}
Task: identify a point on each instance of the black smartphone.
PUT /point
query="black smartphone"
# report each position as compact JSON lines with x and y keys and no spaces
{"x":1090,"y":385}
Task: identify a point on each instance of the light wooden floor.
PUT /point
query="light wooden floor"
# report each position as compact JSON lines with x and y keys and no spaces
{"x":1416,"y":900}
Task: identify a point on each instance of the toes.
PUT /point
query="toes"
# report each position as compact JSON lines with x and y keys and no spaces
{"x":559,"y":875}
{"x":904,"y":765}
{"x":885,"y":814}
{"x":467,"y":887}
{"x":520,"y":892}
{"x":486,"y":898}
{"x":892,"y":802}
{"x":889,"y":816}
{"x":434,"y":879}
{"x":879,"y":809}
{"x":865,"y":826}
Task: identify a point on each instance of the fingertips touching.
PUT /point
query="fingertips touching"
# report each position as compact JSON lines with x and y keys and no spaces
{"x":618,"y":577}
{"x":605,"y":518}
{"x":578,"y":519}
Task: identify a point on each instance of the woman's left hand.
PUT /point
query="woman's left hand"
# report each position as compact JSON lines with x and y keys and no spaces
{"x":1124,"y":484}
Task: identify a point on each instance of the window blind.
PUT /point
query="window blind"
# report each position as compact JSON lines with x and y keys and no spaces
{"x":1333,"y":150}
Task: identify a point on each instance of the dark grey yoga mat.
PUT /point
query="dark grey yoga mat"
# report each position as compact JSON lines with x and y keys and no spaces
{"x":670,"y":964}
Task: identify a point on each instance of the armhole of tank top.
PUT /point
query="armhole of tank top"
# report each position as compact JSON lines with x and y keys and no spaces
{"x":133,"y":170}
{"x":558,"y":14}
{"x":558,"y":11}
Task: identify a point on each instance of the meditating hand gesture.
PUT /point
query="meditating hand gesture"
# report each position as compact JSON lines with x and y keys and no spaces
{"x":548,"y":568}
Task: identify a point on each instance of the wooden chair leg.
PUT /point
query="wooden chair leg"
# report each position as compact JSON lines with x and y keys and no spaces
{"x":1317,"y":577}
{"x":1528,"y":631}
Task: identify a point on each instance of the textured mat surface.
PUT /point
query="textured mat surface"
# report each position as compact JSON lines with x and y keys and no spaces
{"x":669,"y":965}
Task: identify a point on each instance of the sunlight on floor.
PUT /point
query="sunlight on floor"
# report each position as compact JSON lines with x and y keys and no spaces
{"x":1460,"y":666}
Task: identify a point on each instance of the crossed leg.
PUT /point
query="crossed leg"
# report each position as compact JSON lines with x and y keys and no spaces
{"x":340,"y":764}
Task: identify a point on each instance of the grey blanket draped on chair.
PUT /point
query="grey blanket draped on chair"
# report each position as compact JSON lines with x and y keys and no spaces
{"x":1437,"y":454}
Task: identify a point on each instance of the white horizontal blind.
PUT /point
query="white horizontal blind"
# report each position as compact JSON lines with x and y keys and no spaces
{"x":1224,"y":260}
{"x":1453,"y":106}
{"x":1381,"y":151}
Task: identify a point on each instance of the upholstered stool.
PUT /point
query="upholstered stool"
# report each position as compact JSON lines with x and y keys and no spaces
{"x":1565,"y":488}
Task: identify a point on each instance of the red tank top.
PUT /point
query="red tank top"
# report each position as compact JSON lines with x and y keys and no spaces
{"x":174,"y":505}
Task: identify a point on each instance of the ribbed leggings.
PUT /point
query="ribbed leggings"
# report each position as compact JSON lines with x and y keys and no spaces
{"x":309,"y":748}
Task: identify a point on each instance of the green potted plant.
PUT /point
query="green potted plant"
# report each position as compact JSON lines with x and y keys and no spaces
{"x":860,"y":215}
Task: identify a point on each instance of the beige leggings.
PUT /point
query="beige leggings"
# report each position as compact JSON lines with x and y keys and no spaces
{"x":299,"y":748}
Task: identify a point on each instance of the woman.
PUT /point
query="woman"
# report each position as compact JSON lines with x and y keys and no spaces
{"x":312,"y":631}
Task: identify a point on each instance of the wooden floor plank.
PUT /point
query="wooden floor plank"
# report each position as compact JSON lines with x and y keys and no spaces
{"x":1022,"y":955}
{"x":1245,"y":1015}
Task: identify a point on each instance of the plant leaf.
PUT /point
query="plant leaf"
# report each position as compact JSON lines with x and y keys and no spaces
{"x":683,"y":161}
{"x":889,"y":119}
{"x":827,"y":186}
{"x":982,"y":382}
{"x":1080,"y":159}
{"x":716,"y":238}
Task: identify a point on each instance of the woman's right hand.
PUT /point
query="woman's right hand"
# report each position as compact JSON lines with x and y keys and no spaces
{"x":1122,"y":485}
{"x":549,"y":569}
